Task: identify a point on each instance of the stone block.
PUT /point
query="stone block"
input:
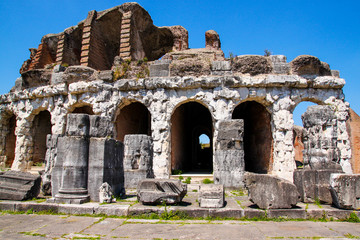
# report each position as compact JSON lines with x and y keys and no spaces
{"x":229,"y":167}
{"x":78,"y":73}
{"x":211,"y":196}
{"x":314,"y":184}
{"x":280,"y":66}
{"x":345,"y":190}
{"x":160,"y":70}
{"x":105,"y":193}
{"x":106,"y":75}
{"x":100,"y":126}
{"x":157,"y":191}
{"x":287,"y":213}
{"x":271,"y":192}
{"x":105,"y":165}
{"x":19,"y":186}
{"x":138,"y":153}
{"x":220,"y":66}
{"x":77,"y":124}
{"x":231,"y":130}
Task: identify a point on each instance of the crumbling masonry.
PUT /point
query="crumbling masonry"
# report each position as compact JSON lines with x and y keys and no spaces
{"x":109,"y":65}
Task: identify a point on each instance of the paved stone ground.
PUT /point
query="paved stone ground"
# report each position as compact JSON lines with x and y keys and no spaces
{"x":31,"y":226}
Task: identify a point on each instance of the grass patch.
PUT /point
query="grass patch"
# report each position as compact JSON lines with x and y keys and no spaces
{"x":207,"y":181}
{"x":238,"y":193}
{"x":353,"y":218}
{"x":348,"y":235}
{"x":33,"y":234}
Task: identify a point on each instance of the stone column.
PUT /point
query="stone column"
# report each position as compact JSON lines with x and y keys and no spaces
{"x":73,"y":152}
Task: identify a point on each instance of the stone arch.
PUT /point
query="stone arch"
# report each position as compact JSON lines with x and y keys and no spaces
{"x":132,"y":118}
{"x":189,"y":120}
{"x":258,"y":140}
{"x":8,"y":126}
{"x":41,"y":127}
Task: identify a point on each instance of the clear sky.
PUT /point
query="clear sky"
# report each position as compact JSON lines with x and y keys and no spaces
{"x":329,"y":30}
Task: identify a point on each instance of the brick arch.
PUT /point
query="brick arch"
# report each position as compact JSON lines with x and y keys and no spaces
{"x":132,"y":117}
{"x":189,"y":120}
{"x":258,"y":141}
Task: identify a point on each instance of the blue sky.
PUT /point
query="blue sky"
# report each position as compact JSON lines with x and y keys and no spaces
{"x":329,"y":30}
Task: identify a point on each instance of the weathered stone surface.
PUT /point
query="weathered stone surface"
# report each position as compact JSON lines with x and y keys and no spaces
{"x":309,"y":65}
{"x":78,"y":124}
{"x":270,"y":192}
{"x":180,"y":37}
{"x":106,"y":75}
{"x":320,"y":134}
{"x":229,"y":167}
{"x":314,"y":184}
{"x":35,"y":78}
{"x":78,"y":73}
{"x":211,"y":195}
{"x":105,"y":193}
{"x":345,"y":190}
{"x":19,"y":185}
{"x":100,"y":126}
{"x":105,"y":165}
{"x":160,"y":69}
{"x":252,"y":64}
{"x":212,"y":40}
{"x":138,"y":154}
{"x":156,"y":191}
{"x":353,"y":129}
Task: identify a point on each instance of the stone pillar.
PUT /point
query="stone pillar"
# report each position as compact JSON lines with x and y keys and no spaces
{"x":105,"y":158}
{"x":24,"y":145}
{"x":73,"y":151}
{"x":229,"y":166}
{"x":138,"y":154}
{"x":283,"y":152}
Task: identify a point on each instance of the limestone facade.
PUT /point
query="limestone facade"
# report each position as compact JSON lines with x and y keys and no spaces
{"x":192,"y":92}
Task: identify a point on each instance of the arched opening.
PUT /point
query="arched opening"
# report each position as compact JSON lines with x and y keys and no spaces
{"x":188,"y":123}
{"x":10,"y":141}
{"x":298,"y":132}
{"x":86,"y":109}
{"x":134,"y":118}
{"x":258,"y":141}
{"x":41,"y":128}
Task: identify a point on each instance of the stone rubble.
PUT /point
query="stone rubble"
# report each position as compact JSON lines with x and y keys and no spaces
{"x":345,"y":190}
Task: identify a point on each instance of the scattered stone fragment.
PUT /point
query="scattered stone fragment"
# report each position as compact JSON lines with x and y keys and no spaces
{"x":271,"y":192}
{"x":211,"y":196}
{"x":19,"y":186}
{"x":105,"y":193}
{"x":157,"y":191}
{"x":345,"y":190}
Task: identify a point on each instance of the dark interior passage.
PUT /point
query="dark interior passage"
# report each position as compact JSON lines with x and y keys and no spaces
{"x":41,"y":128}
{"x":257,"y":136}
{"x":188,"y":123}
{"x":10,"y":141}
{"x":84,"y":109}
{"x":134,"y":118}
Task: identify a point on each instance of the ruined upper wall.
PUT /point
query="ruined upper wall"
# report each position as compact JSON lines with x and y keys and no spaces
{"x":125,"y":31}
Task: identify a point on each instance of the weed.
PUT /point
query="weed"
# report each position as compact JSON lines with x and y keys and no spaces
{"x":353,"y":218}
{"x":351,"y":236}
{"x":207,"y":181}
{"x":194,"y":190}
{"x":317,"y":202}
{"x":238,"y":193}
{"x":267,"y":53}
{"x":187,"y":180}
{"x":176,"y":172}
{"x":181,"y":178}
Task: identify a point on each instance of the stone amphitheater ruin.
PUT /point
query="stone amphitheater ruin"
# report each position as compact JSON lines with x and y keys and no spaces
{"x":129,"y":100}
